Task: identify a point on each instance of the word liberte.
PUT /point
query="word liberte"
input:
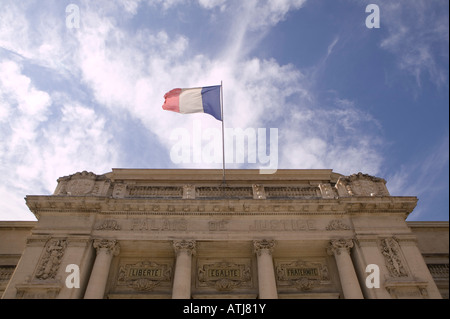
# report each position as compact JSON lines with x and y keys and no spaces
{"x":205,"y":146}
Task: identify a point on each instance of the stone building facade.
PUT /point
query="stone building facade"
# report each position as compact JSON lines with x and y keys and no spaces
{"x":149,"y":233}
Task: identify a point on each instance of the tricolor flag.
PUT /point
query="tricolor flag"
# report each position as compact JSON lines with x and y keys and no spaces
{"x":194,"y":100}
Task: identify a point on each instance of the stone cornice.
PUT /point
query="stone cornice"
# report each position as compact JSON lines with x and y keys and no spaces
{"x":81,"y":204}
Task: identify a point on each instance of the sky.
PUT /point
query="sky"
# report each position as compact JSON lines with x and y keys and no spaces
{"x":82,"y":85}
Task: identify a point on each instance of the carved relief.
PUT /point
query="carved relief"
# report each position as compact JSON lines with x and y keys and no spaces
{"x":52,"y":256}
{"x":144,"y":275}
{"x":337,"y":224}
{"x":109,"y":224}
{"x":361,"y":185}
{"x":392,"y":256}
{"x":225,"y":276}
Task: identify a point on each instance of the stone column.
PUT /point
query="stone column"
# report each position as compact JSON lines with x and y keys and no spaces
{"x":184,"y":249}
{"x":106,"y":249}
{"x":266,"y":273}
{"x":340,"y":248}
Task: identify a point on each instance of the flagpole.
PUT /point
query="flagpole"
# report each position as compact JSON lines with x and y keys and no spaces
{"x":223,"y":130}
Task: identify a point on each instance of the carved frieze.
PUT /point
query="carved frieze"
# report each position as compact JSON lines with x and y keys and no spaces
{"x":224,"y":276}
{"x":393,"y":257}
{"x":145,"y":275}
{"x":51,"y":259}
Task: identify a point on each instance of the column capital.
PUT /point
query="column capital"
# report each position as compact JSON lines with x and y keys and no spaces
{"x":188,"y":246}
{"x":338,"y":245}
{"x":110,"y":246}
{"x":266,"y":245}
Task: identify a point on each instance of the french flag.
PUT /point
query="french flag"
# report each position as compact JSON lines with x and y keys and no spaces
{"x":194,"y":100}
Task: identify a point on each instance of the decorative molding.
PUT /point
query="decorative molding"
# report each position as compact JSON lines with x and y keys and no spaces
{"x":263,"y":245}
{"x":188,"y":246}
{"x":51,"y":259}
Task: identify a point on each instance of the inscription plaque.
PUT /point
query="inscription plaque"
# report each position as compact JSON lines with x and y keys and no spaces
{"x":302,"y":275}
{"x":145,"y":275}
{"x":224,"y":276}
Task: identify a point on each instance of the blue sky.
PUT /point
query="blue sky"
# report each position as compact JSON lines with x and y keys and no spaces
{"x":341,"y":95}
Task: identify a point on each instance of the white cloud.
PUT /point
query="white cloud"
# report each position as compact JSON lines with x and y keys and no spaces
{"x":126,"y":73}
{"x":38,"y":145}
{"x":421,"y":45}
